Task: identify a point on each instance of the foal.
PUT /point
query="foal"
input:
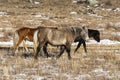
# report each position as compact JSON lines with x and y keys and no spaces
{"x":23,"y":34}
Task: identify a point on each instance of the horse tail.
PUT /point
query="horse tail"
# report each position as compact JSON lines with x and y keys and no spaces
{"x":35,"y":41}
{"x":15,"y":39}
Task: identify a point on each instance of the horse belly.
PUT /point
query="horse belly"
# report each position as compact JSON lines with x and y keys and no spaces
{"x":57,"y":38}
{"x":58,"y":42}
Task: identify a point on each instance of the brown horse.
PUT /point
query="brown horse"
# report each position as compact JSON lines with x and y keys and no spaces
{"x":23,"y":34}
{"x":62,"y":37}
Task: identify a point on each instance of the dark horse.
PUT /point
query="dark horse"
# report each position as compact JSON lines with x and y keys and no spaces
{"x":62,"y":37}
{"x":91,"y":33}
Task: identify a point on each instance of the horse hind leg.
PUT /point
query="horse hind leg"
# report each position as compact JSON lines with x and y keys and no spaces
{"x":17,"y":46}
{"x":15,"y":42}
{"x":45,"y":50}
{"x":41,"y":44}
{"x":37,"y":51}
{"x":25,"y":46}
{"x":35,"y":41}
{"x":62,"y":49}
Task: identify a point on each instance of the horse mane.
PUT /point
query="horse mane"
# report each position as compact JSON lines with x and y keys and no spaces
{"x":75,"y":30}
{"x":42,"y":27}
{"x":70,"y":30}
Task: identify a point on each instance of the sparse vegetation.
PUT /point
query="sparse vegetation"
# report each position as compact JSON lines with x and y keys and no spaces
{"x":102,"y":61}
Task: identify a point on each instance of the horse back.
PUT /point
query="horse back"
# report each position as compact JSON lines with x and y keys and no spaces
{"x":26,"y":32}
{"x":59,"y":36}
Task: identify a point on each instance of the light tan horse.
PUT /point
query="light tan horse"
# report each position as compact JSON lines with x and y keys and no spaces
{"x":23,"y":34}
{"x":62,"y":37}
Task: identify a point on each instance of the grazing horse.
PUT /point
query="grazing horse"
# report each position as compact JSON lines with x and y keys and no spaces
{"x":91,"y":33}
{"x":62,"y":37}
{"x":23,"y":34}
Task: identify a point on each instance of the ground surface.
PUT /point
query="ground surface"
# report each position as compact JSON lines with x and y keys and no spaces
{"x":102,"y":61}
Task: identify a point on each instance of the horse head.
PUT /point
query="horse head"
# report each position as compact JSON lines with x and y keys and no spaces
{"x":95,"y":34}
{"x":97,"y":37}
{"x":81,"y":33}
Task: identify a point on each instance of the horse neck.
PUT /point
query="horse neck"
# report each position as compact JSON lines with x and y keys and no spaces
{"x":76,"y":32}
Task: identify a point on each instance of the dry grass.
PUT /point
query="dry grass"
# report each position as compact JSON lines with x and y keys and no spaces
{"x":98,"y":57}
{"x":58,"y":14}
{"x":102,"y":61}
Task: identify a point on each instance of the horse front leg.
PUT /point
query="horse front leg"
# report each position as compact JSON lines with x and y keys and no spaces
{"x":79,"y":44}
{"x":84,"y":45}
{"x":17,"y":46}
{"x":15,"y":50}
{"x":68,"y":49}
{"x":62,"y":49}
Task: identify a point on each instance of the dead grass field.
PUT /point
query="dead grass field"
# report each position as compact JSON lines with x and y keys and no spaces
{"x":102,"y":61}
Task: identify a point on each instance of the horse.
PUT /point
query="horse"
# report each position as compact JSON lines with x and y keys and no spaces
{"x":95,"y":34}
{"x":23,"y":34}
{"x":62,"y":37}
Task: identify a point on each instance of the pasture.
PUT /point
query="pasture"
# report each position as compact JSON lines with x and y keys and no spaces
{"x":102,"y":61}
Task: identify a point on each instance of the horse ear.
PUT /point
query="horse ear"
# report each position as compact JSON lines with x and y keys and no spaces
{"x":84,"y":27}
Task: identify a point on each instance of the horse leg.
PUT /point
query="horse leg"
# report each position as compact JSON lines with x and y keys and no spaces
{"x":37,"y":51}
{"x":45,"y":50}
{"x":41,"y":44}
{"x":17,"y":46}
{"x":68,"y":49}
{"x":25,"y":46}
{"x":35,"y":48}
{"x":62,"y":49}
{"x":79,"y":44}
{"x":15,"y":41}
{"x":84,"y":45}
